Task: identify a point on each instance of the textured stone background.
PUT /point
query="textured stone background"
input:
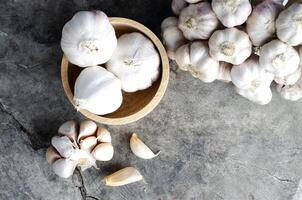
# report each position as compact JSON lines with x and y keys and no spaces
{"x":215,"y":145}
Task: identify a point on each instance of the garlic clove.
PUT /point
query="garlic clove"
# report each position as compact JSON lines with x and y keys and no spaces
{"x":140,"y":149}
{"x":69,"y":129}
{"x":172,"y":39}
{"x":103,"y":135}
{"x":224,"y":73}
{"x":52,"y":155}
{"x":103,"y":152}
{"x":64,"y":167}
{"x":88,"y":143}
{"x":87,"y":128}
{"x":63,"y":145}
{"x":123,"y":177}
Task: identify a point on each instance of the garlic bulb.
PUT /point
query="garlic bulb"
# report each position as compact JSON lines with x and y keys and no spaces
{"x":98,"y":91}
{"x":195,"y":58}
{"x":289,"y":25}
{"x":140,"y":149}
{"x":123,"y":177}
{"x":290,"y":79}
{"x":230,"y":45}
{"x":172,"y":38}
{"x":198,"y":21}
{"x":178,"y":5}
{"x":224,"y":72}
{"x":279,"y":58}
{"x":260,"y":25}
{"x":250,"y":76}
{"x":135,"y":62}
{"x":66,"y":153}
{"x":232,"y":12}
{"x":262,"y":96}
{"x":88,"y":39}
{"x":168,"y":22}
{"x":291,"y":92}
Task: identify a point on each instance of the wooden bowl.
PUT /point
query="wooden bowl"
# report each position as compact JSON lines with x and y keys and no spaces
{"x":135,"y":105}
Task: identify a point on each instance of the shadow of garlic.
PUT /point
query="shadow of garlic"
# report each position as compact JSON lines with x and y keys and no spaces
{"x":78,"y":145}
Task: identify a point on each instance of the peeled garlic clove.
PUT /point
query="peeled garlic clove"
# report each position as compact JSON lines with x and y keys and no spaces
{"x":64,"y":167}
{"x":279,"y":58}
{"x":140,"y":149}
{"x":289,"y":24}
{"x":123,"y":177}
{"x":98,"y":91}
{"x":52,"y":155}
{"x":230,"y":45}
{"x":87,"y":128}
{"x":168,"y":22}
{"x":178,"y":5}
{"x":261,"y":23}
{"x":172,"y":39}
{"x":88,"y":143}
{"x":69,"y":129}
{"x":103,"y":152}
{"x":290,"y":79}
{"x":232,"y":12}
{"x":103,"y":135}
{"x":63,"y":145}
{"x":224,"y":74}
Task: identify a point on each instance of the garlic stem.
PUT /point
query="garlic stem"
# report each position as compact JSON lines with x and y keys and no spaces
{"x":89,"y":46}
{"x":227,"y":48}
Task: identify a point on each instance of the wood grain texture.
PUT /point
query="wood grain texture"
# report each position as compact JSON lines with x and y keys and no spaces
{"x":135,"y":105}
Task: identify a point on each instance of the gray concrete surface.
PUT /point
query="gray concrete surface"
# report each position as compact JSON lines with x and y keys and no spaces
{"x":215,"y":145}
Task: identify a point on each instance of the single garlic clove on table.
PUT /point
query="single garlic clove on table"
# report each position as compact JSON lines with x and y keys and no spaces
{"x":103,"y":152}
{"x":52,"y":155}
{"x":88,"y":143}
{"x":63,"y":145}
{"x":140,"y":149}
{"x":69,"y":129}
{"x":122,"y":177}
{"x":103,"y":135}
{"x":64,"y":167}
{"x":87,"y":128}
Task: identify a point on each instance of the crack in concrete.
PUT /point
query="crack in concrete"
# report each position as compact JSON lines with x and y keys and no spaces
{"x":82,"y":187}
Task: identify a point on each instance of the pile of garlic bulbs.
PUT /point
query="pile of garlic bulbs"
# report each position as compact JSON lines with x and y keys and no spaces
{"x":78,"y":145}
{"x":131,"y":62}
{"x":251,"y":44}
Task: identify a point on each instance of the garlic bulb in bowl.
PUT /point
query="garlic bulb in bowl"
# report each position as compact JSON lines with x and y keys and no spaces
{"x":135,"y":62}
{"x":88,"y":39}
{"x":250,"y":76}
{"x":230,"y":45}
{"x":198,"y":21}
{"x":195,"y":58}
{"x":260,"y":25}
{"x":232,"y":12}
{"x":289,"y":25}
{"x":279,"y":58}
{"x":98,"y":91}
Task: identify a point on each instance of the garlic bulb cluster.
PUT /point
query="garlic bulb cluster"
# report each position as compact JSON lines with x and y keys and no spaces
{"x":248,"y":43}
{"x":88,"y":39}
{"x":136,"y":65}
{"x":78,"y":145}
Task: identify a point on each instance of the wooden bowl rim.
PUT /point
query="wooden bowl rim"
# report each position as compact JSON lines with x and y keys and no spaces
{"x":154,"y":101}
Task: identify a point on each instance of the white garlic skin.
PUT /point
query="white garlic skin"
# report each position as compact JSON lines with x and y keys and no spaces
{"x":250,"y":76}
{"x":178,"y":5}
{"x":193,"y":1}
{"x":103,"y":152}
{"x":168,"y":22}
{"x":98,"y":91}
{"x":88,"y":39}
{"x":198,"y":21}
{"x":260,"y":25}
{"x":135,"y":62}
{"x":279,"y":58}
{"x":291,"y":92}
{"x":172,"y":39}
{"x":262,"y":96}
{"x":140,"y":149}
{"x":290,"y":79}
{"x":289,"y":25}
{"x":123,"y":177}
{"x":63,"y":145}
{"x":232,"y":12}
{"x":230,"y":45}
{"x":224,"y":74}
{"x":64,"y":167}
{"x":103,"y":135}
{"x":69,"y":129}
{"x":194,"y":57}
{"x":87,"y":128}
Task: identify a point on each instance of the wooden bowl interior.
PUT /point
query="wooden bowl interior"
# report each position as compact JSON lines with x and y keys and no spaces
{"x":132,"y":102}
